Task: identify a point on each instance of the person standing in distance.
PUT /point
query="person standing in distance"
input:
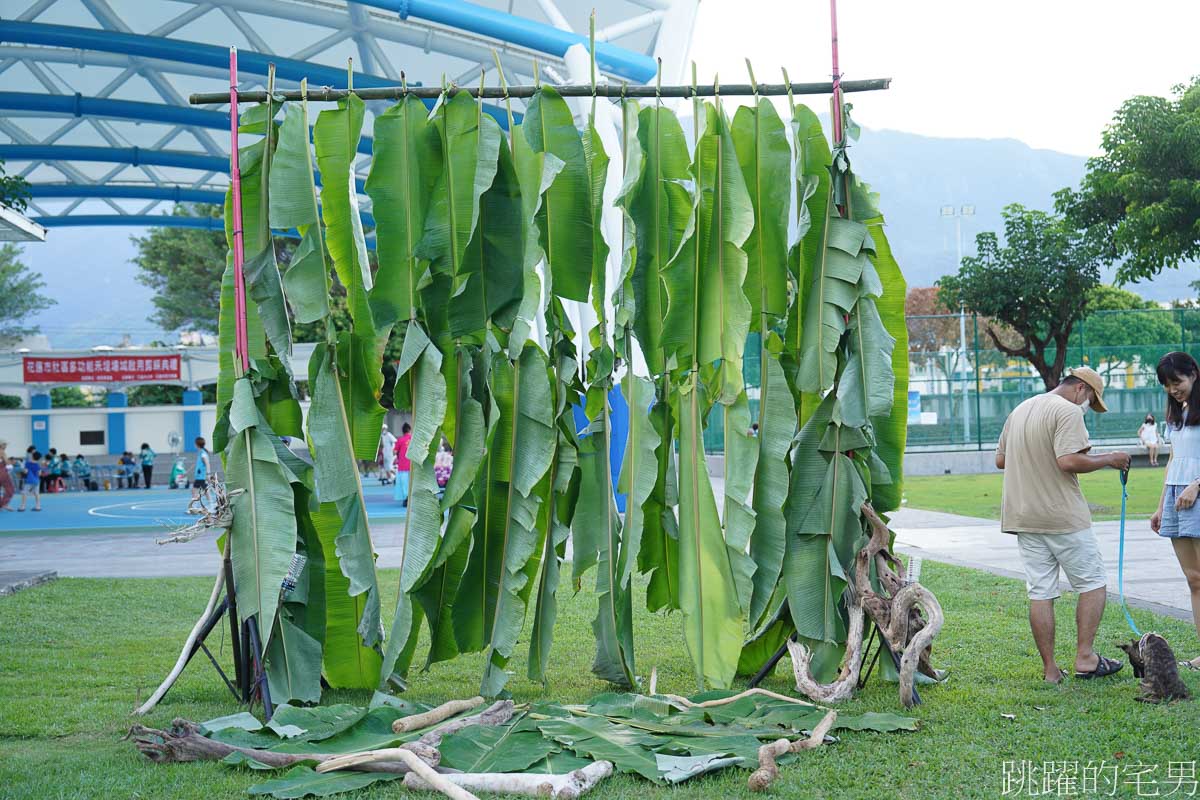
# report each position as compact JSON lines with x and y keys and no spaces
{"x":202,"y":468}
{"x":1043,"y":449}
{"x":400,"y":490}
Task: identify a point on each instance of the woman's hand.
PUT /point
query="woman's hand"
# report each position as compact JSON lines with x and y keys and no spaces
{"x":1156,"y":520}
{"x":1187,"y":498}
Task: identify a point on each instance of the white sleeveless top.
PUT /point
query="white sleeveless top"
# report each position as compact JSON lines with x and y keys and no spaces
{"x":1185,"y":455}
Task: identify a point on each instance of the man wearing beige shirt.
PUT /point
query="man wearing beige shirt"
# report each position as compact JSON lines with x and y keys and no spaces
{"x":1043,"y":449}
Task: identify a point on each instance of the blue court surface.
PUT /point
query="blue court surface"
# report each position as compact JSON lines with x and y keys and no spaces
{"x":141,"y":509}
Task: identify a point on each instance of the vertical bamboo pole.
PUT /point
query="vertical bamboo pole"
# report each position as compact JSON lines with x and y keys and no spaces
{"x":241,"y":347}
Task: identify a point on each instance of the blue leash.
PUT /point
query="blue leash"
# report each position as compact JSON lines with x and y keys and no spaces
{"x":1121,"y":554}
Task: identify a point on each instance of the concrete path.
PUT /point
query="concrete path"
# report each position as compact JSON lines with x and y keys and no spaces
{"x":1153,"y":579}
{"x":12,"y":581}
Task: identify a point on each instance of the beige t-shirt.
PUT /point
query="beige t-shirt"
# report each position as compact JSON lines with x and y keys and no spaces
{"x":1038,"y":496}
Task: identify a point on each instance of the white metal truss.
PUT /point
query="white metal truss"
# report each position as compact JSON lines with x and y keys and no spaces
{"x":385,"y":45}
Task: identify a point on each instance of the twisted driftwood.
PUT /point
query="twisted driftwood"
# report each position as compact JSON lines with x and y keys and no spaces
{"x":560,"y":787}
{"x":404,"y":756}
{"x":896,"y":614}
{"x":762,"y":778}
{"x":184,"y":742}
{"x":220,"y":517}
{"x":497,"y":713}
{"x":435,"y":715}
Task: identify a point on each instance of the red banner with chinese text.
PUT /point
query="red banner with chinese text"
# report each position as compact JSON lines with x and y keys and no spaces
{"x":101,"y":369}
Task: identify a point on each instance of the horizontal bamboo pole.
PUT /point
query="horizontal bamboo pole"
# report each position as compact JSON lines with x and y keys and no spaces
{"x":328,"y":93}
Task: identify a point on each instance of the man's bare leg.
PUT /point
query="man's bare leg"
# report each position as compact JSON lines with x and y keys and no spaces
{"x":1041,"y":621}
{"x":1088,"y":612}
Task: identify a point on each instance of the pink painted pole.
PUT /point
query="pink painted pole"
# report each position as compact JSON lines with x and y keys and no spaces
{"x":241,"y":346}
{"x":837,"y":76}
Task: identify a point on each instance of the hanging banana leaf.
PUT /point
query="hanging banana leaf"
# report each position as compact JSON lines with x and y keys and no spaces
{"x":263,"y":536}
{"x":712,"y":616}
{"x":423,"y":521}
{"x":564,"y":219}
{"x":891,"y":427}
{"x":294,"y":204}
{"x":867,"y":385}
{"x":489,"y":609}
{"x":404,"y":169}
{"x":338,"y":483}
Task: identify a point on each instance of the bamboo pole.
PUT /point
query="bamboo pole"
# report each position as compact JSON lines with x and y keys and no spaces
{"x":330,"y":94}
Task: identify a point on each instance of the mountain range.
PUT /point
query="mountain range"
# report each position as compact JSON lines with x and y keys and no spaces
{"x":89,"y":272}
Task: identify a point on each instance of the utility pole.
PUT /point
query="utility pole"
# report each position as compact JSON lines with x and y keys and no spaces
{"x":958,"y":214}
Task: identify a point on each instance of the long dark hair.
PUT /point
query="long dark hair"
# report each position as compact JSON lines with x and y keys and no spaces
{"x":1172,"y":367}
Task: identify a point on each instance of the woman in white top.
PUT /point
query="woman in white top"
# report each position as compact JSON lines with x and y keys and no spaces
{"x":1178,"y":514}
{"x":1148,"y":436}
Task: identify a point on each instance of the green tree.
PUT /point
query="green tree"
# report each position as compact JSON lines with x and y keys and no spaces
{"x":1143,"y":194}
{"x":14,"y":190}
{"x":1123,"y":332}
{"x":1037,"y":284}
{"x":183,"y":266}
{"x":20,"y":295}
{"x":10,"y":401}
{"x":157,"y":394}
{"x":71,"y":397}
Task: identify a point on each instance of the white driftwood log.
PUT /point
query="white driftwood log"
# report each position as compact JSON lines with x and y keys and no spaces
{"x":435,"y":715}
{"x":407,"y":757}
{"x":560,"y":787}
{"x":497,"y":713}
{"x":181,"y":662}
{"x":760,"y":780}
{"x":842,"y":687}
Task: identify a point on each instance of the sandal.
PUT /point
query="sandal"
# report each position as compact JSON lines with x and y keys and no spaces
{"x":1104,"y":667}
{"x":1062,"y":676}
{"x":1189,"y":665}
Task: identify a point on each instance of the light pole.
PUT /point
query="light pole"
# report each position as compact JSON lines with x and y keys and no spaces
{"x":957,"y":215}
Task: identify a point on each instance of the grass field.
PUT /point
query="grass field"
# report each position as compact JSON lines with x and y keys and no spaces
{"x":979,"y":495}
{"x":77,"y":655}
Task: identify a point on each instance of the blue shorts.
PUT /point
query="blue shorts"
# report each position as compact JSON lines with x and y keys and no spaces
{"x":1179,"y":524}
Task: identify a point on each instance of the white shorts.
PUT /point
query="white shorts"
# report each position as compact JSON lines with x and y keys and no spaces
{"x":1077,"y":553}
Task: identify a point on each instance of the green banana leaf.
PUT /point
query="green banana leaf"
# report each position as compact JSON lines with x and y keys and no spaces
{"x":891,"y":427}
{"x":494,"y":748}
{"x":776,"y":430}
{"x":564,"y":219}
{"x":489,"y":609}
{"x":712,"y":617}
{"x":335,"y":136}
{"x":423,"y":521}
{"x":263,"y":283}
{"x":741,"y":458}
{"x":263,"y":536}
{"x":661,"y":208}
{"x":404,"y":170}
{"x":596,"y":737}
{"x":659,"y":553}
{"x":304,"y":781}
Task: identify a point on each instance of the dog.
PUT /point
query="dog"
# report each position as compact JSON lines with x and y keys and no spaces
{"x":1154,"y":662}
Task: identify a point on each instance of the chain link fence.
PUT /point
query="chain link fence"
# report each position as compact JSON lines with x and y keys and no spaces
{"x":962,"y":388}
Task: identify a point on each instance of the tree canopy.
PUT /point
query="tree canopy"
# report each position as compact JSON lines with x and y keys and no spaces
{"x":183,"y":266}
{"x":1038,"y":283}
{"x":20,"y":295}
{"x":1142,"y":196}
{"x":14,"y":190}
{"x":1123,"y":330}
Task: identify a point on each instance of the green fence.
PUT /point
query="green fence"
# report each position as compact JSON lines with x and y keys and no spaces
{"x":961,"y":388}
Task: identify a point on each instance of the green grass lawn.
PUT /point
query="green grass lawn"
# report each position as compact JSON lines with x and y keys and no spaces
{"x":77,"y":655}
{"x":979,"y":495}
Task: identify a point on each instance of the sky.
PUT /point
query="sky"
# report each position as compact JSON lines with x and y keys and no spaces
{"x":1047,"y":72}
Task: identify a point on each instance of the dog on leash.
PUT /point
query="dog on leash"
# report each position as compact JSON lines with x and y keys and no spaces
{"x":1154,"y":662}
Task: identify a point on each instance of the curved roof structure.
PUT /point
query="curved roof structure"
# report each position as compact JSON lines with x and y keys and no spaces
{"x":94,"y":111}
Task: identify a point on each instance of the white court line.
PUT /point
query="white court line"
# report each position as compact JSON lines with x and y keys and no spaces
{"x":99,"y":511}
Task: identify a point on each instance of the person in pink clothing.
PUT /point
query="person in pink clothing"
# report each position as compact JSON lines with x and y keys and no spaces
{"x":400,"y":488}
{"x":7,"y":490}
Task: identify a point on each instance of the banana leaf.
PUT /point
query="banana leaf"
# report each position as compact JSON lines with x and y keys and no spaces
{"x":438,"y":590}
{"x":741,"y":457}
{"x":891,"y":427}
{"x":564,"y":218}
{"x":335,"y":136}
{"x":423,"y":521}
{"x":495,"y":748}
{"x":489,"y":609}
{"x":596,"y":737}
{"x":406,"y":162}
{"x":263,"y":536}
{"x":712,"y":617}
{"x":304,"y":781}
{"x":263,"y":283}
{"x":661,"y":208}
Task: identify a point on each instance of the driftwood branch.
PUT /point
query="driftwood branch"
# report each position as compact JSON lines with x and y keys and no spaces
{"x":842,"y":687}
{"x":188,"y":647}
{"x":560,"y":787}
{"x":435,"y":715}
{"x":686,"y":703}
{"x":219,"y":517}
{"x":184,"y":743}
{"x":496,"y":714}
{"x":762,"y":778}
{"x":406,"y":757}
